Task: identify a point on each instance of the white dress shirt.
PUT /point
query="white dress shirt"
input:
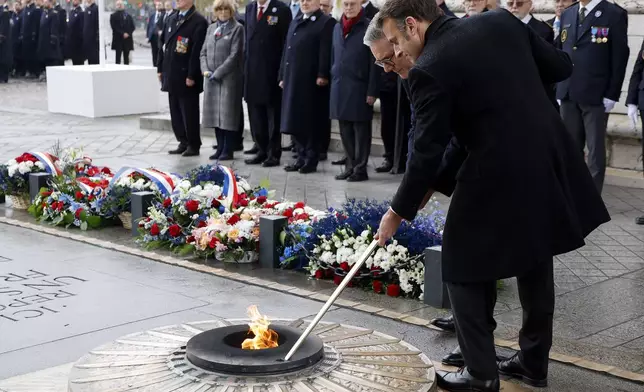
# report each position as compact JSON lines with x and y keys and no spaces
{"x":527,"y":19}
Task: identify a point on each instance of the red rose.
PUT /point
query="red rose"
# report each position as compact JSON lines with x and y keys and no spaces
{"x":329,"y":272}
{"x":299,"y":204}
{"x":174,"y":230}
{"x":261,"y":199}
{"x":90,"y":197}
{"x":215,"y":203}
{"x":270,"y":205}
{"x":337,"y":279}
{"x":190,"y":239}
{"x":154,"y":230}
{"x":233,"y":219}
{"x":242,"y":196}
{"x":243,"y":203}
{"x":302,"y":217}
{"x":79,"y":195}
{"x":345,"y":266}
{"x":167,"y":202}
{"x":393,"y":290}
{"x":45,"y":193}
{"x":92,"y":171}
{"x":78,"y":213}
{"x":192,"y":205}
{"x":288,"y":213}
{"x":377,"y":286}
{"x":213,"y":242}
{"x":202,"y":224}
{"x":319,"y":274}
{"x":106,"y":170}
{"x":59,"y":205}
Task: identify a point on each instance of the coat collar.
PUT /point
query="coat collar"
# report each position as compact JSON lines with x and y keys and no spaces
{"x":435,"y":26}
{"x":175,"y":26}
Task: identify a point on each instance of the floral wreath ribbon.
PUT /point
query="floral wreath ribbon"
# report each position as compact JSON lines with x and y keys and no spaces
{"x":48,"y":160}
{"x":161,"y":179}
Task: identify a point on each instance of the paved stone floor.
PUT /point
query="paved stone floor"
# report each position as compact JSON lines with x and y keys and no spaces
{"x":599,"y":315}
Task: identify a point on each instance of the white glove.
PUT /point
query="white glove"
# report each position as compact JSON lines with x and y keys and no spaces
{"x":632,"y":114}
{"x":609,"y":104}
{"x":559,"y":102}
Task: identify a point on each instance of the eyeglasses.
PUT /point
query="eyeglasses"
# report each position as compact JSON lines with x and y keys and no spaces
{"x":517,"y":3}
{"x":386,"y":61}
{"x":474,"y":1}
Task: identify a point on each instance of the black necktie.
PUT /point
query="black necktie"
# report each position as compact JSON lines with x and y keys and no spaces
{"x":582,"y":14}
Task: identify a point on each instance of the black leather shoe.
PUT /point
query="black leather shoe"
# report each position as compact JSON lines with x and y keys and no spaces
{"x":214,"y":147}
{"x":293,"y":167}
{"x":341,"y":161}
{"x":639,"y":220}
{"x":444,"y":323}
{"x":288,"y":148}
{"x":271,"y":162}
{"x":514,"y":368}
{"x":190,"y":152}
{"x":178,"y":150}
{"x":254,"y":150}
{"x":344,"y":175}
{"x":215,"y":156}
{"x":455,"y":358}
{"x":385,"y":166}
{"x":306,"y":169}
{"x":256,"y":160}
{"x":358,"y":177}
{"x":464,"y":381}
{"x":226,"y":157}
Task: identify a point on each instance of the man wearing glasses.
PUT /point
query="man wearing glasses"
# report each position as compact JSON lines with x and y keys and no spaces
{"x":474,"y":7}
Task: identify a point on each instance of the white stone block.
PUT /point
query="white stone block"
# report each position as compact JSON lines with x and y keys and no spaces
{"x":102,"y":90}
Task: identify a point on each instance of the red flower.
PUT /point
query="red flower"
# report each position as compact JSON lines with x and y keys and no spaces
{"x":190,"y":239}
{"x":192,"y":205}
{"x":270,"y":205}
{"x":261,"y":199}
{"x":377,"y":286}
{"x":174,"y":230}
{"x":106,"y":170}
{"x":45,"y":193}
{"x":58,"y":205}
{"x":337,"y":279}
{"x":345,"y":266}
{"x":299,"y":204}
{"x":233,"y":219}
{"x":319,"y":274}
{"x":302,"y":217}
{"x":393,"y":290}
{"x":79,"y":195}
{"x":243,"y":203}
{"x":213,"y":242}
{"x":215,"y":203}
{"x":243,"y":196}
{"x":78,"y":213}
{"x":90,"y":197}
{"x":375,"y":271}
{"x":92,"y":171}
{"x":329,"y":272}
{"x":288,"y":213}
{"x":26,"y":157}
{"x":154,"y":229}
{"x":167,"y":202}
{"x":202,"y":224}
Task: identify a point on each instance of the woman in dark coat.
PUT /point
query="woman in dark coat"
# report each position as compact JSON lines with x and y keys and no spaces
{"x":222,"y":64}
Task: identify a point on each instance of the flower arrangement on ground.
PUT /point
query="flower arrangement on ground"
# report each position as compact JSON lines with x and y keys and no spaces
{"x":14,"y":177}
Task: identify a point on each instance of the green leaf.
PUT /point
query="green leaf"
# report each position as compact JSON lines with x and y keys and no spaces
{"x":83,"y":226}
{"x":68,"y":218}
{"x":32,"y":210}
{"x":94,"y":222}
{"x":153,"y":245}
{"x":283,"y":237}
{"x":185,"y":250}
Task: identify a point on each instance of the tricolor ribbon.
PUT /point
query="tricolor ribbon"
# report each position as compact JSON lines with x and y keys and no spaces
{"x":230,"y":187}
{"x":161,"y":179}
{"x":48,"y":160}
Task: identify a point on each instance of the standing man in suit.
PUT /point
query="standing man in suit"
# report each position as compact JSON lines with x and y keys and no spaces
{"x":179,"y":68}
{"x":62,"y":26}
{"x":6,"y":47}
{"x":594,"y":34}
{"x":521,"y":9}
{"x":266,"y":24}
{"x":123,"y":27}
{"x":635,"y":99}
{"x":18,"y":68}
{"x":74,"y":39}
{"x":454,"y":106}
{"x":29,"y":38}
{"x":152,"y":30}
{"x":555,"y":23}
{"x":90,"y":33}
{"x":49,"y":50}
{"x":304,"y":75}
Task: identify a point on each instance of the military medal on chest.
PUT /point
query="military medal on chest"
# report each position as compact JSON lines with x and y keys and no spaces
{"x":593,"y":31}
{"x":604,"y":34}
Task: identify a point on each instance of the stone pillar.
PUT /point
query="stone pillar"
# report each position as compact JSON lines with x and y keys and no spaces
{"x":37,"y":181}
{"x":141,"y":201}
{"x":435,"y":289}
{"x":270,"y":228}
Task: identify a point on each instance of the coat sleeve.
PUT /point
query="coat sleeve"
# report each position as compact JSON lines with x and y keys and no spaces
{"x":116,"y":27}
{"x":131,"y":25}
{"x":326,"y":42}
{"x":636,"y":79}
{"x":194,"y":64}
{"x":375,"y":76}
{"x":236,"y":50}
{"x":619,"y":52}
{"x":54,"y":30}
{"x":453,"y":159}
{"x":554,"y":65}
{"x":432,"y":134}
{"x":203,"y":55}
{"x":161,"y":51}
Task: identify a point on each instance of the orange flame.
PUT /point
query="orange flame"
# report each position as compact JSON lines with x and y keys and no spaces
{"x":263,"y":337}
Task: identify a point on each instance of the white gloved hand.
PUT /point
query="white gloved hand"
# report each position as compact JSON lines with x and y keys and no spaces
{"x":632,"y":114}
{"x":609,"y":104}
{"x":559,"y":102}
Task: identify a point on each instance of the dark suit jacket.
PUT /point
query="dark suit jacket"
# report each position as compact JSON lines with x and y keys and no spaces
{"x":370,"y":10}
{"x":518,"y":150}
{"x":90,"y":31}
{"x":74,"y":39}
{"x":152,"y":29}
{"x":62,"y":24}
{"x":636,"y":85}
{"x":180,"y":60}
{"x":48,"y":36}
{"x":6,"y":41}
{"x":121,"y":22}
{"x":599,"y":68}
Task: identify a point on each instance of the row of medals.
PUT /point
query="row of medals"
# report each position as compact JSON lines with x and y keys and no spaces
{"x":599,"y":40}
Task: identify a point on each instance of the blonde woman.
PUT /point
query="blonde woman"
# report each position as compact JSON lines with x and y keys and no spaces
{"x":222,"y":66}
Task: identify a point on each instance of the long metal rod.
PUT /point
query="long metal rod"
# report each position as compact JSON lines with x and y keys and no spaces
{"x":354,"y":270}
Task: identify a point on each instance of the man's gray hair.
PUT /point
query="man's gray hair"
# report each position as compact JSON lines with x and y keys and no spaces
{"x":374,"y":31}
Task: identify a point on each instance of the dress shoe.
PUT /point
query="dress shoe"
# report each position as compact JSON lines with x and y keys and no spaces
{"x":323,"y":157}
{"x":358,"y":177}
{"x":178,"y":150}
{"x":256,"y":160}
{"x":514,"y":368}
{"x":306,"y":169}
{"x":226,"y":157}
{"x":444,"y":323}
{"x":385,"y":166}
{"x":455,"y":358}
{"x":190,"y":152}
{"x":639,"y":220}
{"x":254,"y":150}
{"x":344,"y":175}
{"x":293,"y":167}
{"x":295,"y":155}
{"x":214,"y":147}
{"x":288,"y":148}
{"x":239,"y":148}
{"x":339,"y":162}
{"x":215,"y":156}
{"x":464,"y":381}
{"x":271,"y":162}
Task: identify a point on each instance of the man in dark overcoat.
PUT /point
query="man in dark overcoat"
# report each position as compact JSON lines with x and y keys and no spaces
{"x":62,"y":27}
{"x":635,"y":99}
{"x":123,"y":27}
{"x":180,"y":73}
{"x":594,"y":34}
{"x":152,"y":30}
{"x":305,"y":68}
{"x":18,"y":68}
{"x":29,"y":38}
{"x":355,"y":80}
{"x":90,"y":33}
{"x":74,"y":39}
{"x":49,"y":51}
{"x":489,"y":233}
{"x":6,"y":44}
{"x":266,"y":23}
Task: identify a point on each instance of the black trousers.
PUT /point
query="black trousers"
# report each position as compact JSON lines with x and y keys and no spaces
{"x":307,"y":146}
{"x":587,"y":125}
{"x":265,"y":126}
{"x":325,"y":136}
{"x":93,"y":56}
{"x":226,"y":141}
{"x":34,"y":67}
{"x":18,"y":66}
{"x":184,"y":115}
{"x":126,"y":56}
{"x":473,"y":309}
{"x":78,"y":60}
{"x":388,"y":121}
{"x":403,"y":125}
{"x":356,"y":139}
{"x":4,"y":73}
{"x":154,"y":45}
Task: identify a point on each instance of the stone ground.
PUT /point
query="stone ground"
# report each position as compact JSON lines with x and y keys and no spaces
{"x":599,"y":315}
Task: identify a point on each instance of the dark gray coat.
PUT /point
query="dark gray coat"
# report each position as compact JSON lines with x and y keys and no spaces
{"x":223,"y":55}
{"x":354,"y":75}
{"x":6,"y":44}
